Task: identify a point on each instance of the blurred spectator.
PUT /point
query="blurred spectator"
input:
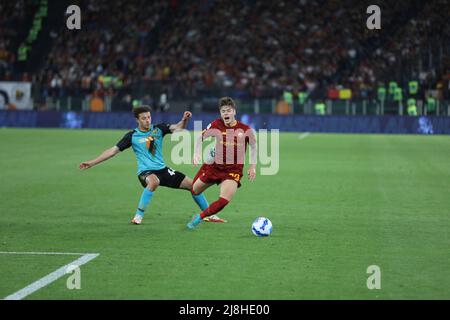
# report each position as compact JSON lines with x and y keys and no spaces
{"x":246,"y":48}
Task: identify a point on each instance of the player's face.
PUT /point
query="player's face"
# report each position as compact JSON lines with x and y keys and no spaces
{"x":227,"y":114}
{"x":144,"y":121}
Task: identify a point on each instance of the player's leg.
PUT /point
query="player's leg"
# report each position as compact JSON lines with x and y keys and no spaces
{"x":178,"y":180}
{"x":199,"y":186}
{"x":175,"y":179}
{"x":199,"y":198}
{"x":151,"y":182}
{"x":227,"y":190}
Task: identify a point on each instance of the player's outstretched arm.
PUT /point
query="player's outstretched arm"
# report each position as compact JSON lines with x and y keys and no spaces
{"x":108,"y":153}
{"x":183,"y":122}
{"x":197,"y":151}
{"x":253,"y":157}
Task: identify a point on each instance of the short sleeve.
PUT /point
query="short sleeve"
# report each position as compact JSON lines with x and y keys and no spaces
{"x":165,"y":128}
{"x":125,"y":142}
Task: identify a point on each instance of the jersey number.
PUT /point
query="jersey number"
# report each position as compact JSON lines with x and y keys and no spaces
{"x":235,"y":176}
{"x":171,"y":172}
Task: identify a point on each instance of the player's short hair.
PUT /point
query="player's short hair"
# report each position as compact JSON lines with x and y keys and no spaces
{"x":226,"y":101}
{"x":141,"y":109}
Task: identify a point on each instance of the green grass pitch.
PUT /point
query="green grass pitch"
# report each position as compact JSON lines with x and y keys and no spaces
{"x":339,"y":204}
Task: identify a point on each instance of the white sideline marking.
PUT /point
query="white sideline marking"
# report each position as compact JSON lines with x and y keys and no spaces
{"x":303,"y":135}
{"x":55,"y":275}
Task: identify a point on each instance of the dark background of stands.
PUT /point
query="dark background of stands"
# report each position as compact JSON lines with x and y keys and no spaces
{"x":136,"y":51}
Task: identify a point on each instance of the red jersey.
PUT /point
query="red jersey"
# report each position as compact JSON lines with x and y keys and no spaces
{"x":231,"y":144}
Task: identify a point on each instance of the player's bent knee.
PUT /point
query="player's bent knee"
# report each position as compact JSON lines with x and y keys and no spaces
{"x":152,"y":187}
{"x":196,"y":188}
{"x":186,"y":184}
{"x":228,"y":189}
{"x":152,"y":184}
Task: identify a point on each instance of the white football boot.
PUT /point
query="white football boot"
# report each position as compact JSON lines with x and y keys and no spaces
{"x":137,"y":219}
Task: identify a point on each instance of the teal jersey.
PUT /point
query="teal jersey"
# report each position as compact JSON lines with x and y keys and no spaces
{"x":147,"y":146}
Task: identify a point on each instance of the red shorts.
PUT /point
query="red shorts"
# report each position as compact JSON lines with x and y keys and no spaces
{"x":213,"y":174}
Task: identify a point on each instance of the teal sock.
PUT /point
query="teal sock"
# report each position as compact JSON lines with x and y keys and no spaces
{"x":201,"y":201}
{"x":145,"y":200}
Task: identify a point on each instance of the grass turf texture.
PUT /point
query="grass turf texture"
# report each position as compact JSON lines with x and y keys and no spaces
{"x":338,"y":204}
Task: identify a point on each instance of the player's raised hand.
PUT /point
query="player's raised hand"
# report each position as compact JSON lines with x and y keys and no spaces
{"x":187,"y":115}
{"x":251,"y":173}
{"x":85,"y":165}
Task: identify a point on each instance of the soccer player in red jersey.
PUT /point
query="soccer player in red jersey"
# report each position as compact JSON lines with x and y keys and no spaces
{"x":232,"y":138}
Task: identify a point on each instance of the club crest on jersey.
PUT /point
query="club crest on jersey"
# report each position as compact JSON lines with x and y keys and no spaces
{"x":150,"y":144}
{"x":148,"y":141}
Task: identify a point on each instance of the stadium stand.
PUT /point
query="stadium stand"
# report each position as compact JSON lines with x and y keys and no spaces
{"x":129,"y":50}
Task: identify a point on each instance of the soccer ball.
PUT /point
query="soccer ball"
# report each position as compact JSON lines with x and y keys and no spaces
{"x":262,"y":227}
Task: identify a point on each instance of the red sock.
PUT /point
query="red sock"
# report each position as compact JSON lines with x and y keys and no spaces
{"x":214,"y":207}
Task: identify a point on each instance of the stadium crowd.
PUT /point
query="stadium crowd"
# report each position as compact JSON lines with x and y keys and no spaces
{"x":111,"y":55}
{"x":418,"y":50}
{"x":13,"y":14}
{"x":255,"y":48}
{"x":262,"y":47}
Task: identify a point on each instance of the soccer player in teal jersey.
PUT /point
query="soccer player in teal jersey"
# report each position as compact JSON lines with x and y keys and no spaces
{"x":146,"y":141}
